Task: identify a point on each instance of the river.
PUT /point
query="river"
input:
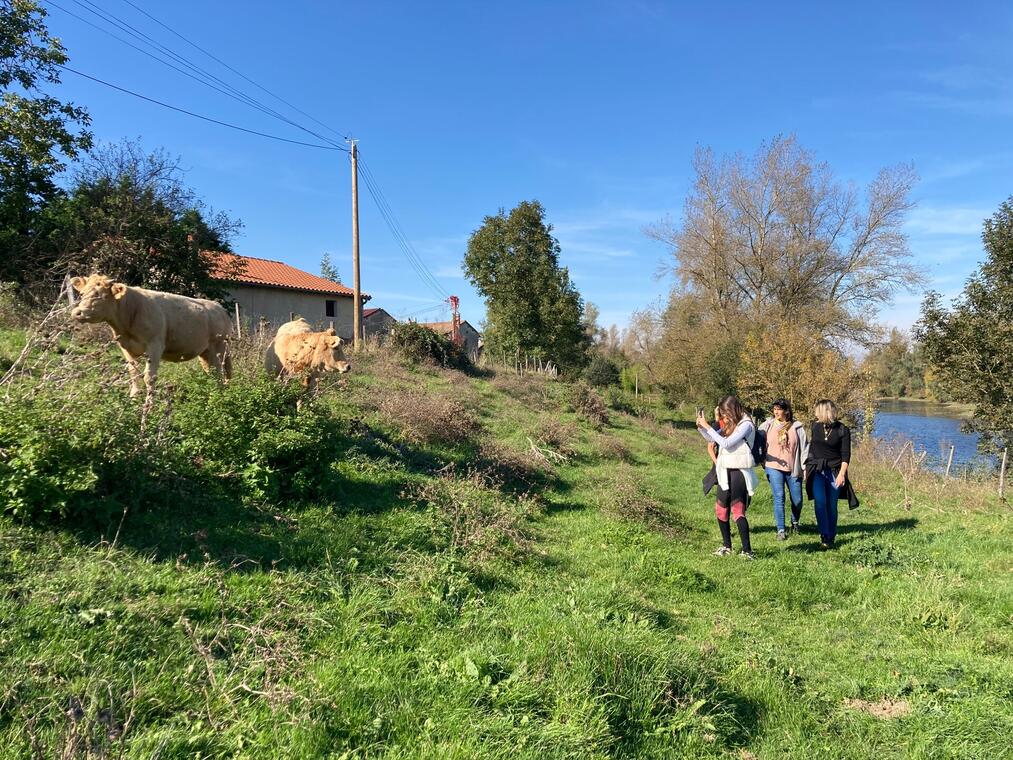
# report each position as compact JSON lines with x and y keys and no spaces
{"x":932,"y":428}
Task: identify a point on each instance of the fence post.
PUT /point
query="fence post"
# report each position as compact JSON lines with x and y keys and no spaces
{"x":949,"y":461}
{"x":239,"y":326}
{"x":1002,"y":476}
{"x":636,"y":384}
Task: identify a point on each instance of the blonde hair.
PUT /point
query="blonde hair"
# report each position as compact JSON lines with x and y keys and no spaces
{"x":825,"y":411}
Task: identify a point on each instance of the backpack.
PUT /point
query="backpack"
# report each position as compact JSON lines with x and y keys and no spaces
{"x":758,"y":448}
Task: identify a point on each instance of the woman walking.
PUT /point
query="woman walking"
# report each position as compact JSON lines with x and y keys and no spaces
{"x":787,"y":449}
{"x":734,"y":466}
{"x":826,"y":469}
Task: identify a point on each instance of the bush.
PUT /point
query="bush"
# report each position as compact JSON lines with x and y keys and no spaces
{"x":601,"y":372}
{"x":425,"y":417}
{"x":624,"y":496}
{"x":418,"y":343}
{"x":588,"y":404}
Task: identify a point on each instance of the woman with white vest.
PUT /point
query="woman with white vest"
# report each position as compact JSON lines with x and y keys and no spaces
{"x":734,"y":467}
{"x":787,"y":449}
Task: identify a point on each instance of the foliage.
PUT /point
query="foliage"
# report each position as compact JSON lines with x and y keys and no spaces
{"x":601,"y":372}
{"x":787,"y":361}
{"x":970,"y":345}
{"x":417,"y":343}
{"x":532,"y":307}
{"x":327,"y":269}
{"x":777,"y":236}
{"x":897,"y":368}
{"x":588,"y":404}
{"x":38,"y":132}
{"x":429,"y":418}
{"x":129,"y":215}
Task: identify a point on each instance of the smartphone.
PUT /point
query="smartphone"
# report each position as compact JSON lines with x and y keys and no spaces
{"x":699,"y":411}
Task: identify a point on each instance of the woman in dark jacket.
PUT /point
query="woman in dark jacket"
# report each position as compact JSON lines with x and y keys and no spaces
{"x":826,"y":469}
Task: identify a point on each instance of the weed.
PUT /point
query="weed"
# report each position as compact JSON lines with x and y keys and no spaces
{"x":626,"y":497}
{"x":424,"y":417}
{"x":588,"y":404}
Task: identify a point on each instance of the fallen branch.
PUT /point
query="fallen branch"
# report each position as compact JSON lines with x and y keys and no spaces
{"x":547,"y":455}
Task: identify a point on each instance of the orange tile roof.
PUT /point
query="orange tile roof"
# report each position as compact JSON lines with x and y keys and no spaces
{"x":273,"y":274}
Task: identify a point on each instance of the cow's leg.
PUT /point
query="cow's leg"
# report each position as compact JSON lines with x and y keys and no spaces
{"x":226,"y":361}
{"x":151,"y":368}
{"x":134,"y":371}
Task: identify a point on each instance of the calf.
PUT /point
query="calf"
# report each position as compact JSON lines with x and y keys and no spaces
{"x":157,"y":325}
{"x":297,"y":350}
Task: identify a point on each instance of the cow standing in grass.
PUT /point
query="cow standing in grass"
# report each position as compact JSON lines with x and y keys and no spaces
{"x":298,"y":351}
{"x":156,"y":325}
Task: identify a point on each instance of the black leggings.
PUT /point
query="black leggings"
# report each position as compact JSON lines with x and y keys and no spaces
{"x":733,"y":503}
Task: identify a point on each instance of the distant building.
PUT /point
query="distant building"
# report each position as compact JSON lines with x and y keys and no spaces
{"x":275,"y":293}
{"x":470,"y":337}
{"x":377,"y":322}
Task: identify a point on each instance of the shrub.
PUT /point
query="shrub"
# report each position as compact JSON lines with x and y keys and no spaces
{"x":418,"y":343}
{"x":588,"y":404}
{"x":424,"y":417}
{"x":601,"y":372}
{"x":625,"y":496}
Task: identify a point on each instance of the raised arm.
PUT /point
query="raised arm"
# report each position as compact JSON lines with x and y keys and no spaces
{"x":744,"y":428}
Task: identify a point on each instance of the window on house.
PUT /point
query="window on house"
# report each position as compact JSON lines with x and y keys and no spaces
{"x":329,"y":307}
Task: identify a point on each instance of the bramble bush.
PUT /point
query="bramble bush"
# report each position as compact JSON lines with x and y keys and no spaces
{"x":418,"y":343}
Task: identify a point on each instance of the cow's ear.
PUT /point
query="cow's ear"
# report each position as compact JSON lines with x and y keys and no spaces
{"x":330,"y":331}
{"x":335,"y":341}
{"x":78,"y":284}
{"x":118,"y":290}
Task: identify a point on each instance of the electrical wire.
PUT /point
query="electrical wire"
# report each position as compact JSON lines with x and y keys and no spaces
{"x":372,"y":186}
{"x":197,"y":115}
{"x":234,"y":71}
{"x":199,"y":75}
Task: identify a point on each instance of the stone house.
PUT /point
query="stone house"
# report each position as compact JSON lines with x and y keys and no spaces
{"x":471,"y":338}
{"x":377,"y":322}
{"x":270,"y":293}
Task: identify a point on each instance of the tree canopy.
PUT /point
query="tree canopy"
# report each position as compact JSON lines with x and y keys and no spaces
{"x":38,"y":132}
{"x":532,"y":305}
{"x":970,"y":344}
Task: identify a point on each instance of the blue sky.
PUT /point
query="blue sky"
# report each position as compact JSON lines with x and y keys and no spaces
{"x":593,"y":108}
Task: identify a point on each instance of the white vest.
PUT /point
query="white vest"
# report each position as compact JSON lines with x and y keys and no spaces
{"x":739,"y":456}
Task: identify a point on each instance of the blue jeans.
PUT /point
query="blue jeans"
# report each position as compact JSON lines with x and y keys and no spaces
{"x":825,"y":503}
{"x":779,"y":480}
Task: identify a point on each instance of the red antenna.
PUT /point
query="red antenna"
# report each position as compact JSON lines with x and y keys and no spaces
{"x":455,"y":329}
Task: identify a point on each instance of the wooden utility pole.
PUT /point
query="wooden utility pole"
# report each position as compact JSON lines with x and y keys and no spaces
{"x":356,"y":293}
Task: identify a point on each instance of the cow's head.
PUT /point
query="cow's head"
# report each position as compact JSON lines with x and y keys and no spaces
{"x":99,"y":295}
{"x":328,"y":355}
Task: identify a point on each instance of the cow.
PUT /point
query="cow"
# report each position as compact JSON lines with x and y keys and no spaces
{"x":297,"y":350}
{"x":157,"y":325}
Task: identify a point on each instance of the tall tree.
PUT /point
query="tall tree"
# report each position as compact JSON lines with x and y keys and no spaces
{"x":531,"y":304}
{"x":38,"y":132}
{"x":970,"y":344}
{"x":776,"y":236}
{"x":327,"y":269}
{"x":129,"y":215}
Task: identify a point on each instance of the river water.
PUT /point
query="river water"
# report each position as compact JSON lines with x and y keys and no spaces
{"x":931,"y":428}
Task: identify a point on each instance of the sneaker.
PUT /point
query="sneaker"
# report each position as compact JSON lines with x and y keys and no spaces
{"x":781,"y":536}
{"x":794,"y":528}
{"x":722,"y":551}
{"x":747,"y":555}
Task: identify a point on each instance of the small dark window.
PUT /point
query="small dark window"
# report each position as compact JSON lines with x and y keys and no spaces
{"x":329,"y":308}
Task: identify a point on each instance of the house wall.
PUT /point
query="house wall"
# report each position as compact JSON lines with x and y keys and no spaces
{"x":378,"y":323}
{"x":276,"y":304}
{"x":471,"y":338}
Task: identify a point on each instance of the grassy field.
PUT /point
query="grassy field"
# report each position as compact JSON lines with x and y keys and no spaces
{"x":455,"y":595}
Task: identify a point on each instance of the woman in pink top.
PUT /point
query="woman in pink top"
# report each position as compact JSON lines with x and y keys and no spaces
{"x":787,"y":449}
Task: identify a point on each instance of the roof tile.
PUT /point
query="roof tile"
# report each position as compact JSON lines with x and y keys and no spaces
{"x":273,"y":274}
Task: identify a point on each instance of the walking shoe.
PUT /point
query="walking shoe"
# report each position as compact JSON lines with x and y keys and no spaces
{"x":781,"y":536}
{"x":747,"y":555}
{"x":722,"y":551}
{"x":794,"y":528}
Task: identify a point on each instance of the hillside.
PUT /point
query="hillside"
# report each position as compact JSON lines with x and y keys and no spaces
{"x":392,"y":571}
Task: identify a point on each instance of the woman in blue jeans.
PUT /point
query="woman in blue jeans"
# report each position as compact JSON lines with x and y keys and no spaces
{"x":787,"y":449}
{"x":826,"y":468}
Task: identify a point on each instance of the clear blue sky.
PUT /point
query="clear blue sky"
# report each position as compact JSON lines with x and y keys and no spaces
{"x":593,"y":108}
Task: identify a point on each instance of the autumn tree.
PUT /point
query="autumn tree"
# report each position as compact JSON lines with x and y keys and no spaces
{"x":38,"y":132}
{"x":969,"y":344}
{"x":777,"y":236}
{"x":532,"y":306}
{"x":896,"y":367}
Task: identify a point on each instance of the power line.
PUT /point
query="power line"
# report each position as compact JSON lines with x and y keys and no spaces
{"x":397,"y":231}
{"x":200,"y":75}
{"x":234,"y":71}
{"x":197,"y":115}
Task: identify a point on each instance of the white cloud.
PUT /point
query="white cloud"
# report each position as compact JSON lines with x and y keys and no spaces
{"x":946,"y":220}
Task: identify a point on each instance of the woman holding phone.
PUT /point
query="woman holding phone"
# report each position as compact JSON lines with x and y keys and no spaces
{"x":734,"y":464}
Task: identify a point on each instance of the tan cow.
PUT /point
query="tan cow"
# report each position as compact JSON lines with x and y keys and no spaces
{"x":157,"y":325}
{"x":297,"y":350}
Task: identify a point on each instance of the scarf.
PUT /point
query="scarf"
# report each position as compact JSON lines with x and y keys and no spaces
{"x":782,"y":433}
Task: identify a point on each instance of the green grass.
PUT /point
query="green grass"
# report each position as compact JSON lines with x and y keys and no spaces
{"x":357,"y":628}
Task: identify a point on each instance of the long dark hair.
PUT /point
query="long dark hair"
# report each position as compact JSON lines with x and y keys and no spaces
{"x":731,"y":407}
